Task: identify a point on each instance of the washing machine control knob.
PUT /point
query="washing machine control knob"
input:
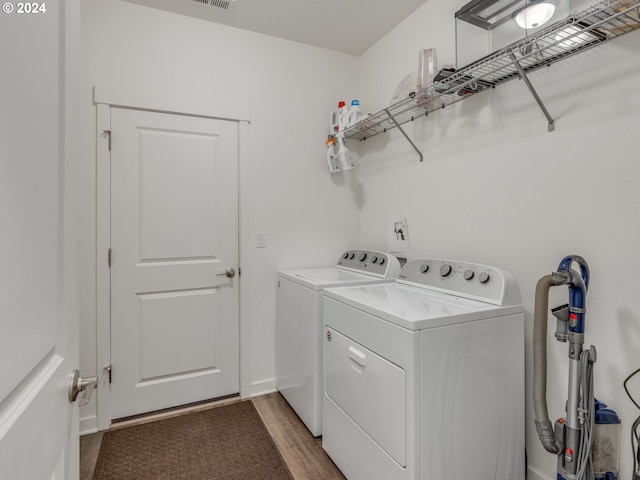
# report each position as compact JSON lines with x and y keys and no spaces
{"x":346,"y":255}
{"x":445,"y":270}
{"x":351,"y":255}
{"x":468,"y":274}
{"x":424,"y":268}
{"x":374,"y":259}
{"x":484,"y":277}
{"x":362,"y":257}
{"x":381,"y":261}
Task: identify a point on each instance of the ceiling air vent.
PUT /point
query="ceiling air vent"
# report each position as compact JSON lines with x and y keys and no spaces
{"x":222,"y":4}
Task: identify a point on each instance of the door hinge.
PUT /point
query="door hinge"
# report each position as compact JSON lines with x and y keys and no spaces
{"x":108,"y":370}
{"x":107,"y":133}
{"x":109,"y":258}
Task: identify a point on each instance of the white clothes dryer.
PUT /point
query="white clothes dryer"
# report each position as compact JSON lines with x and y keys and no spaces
{"x":424,"y":377}
{"x":299,"y":325}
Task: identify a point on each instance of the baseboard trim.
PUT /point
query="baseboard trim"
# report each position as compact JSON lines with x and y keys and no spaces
{"x":262,"y":388}
{"x":535,"y":475}
{"x":88,"y":425}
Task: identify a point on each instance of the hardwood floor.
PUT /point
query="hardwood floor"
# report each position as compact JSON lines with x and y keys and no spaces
{"x":301,"y":451}
{"x":89,"y":449}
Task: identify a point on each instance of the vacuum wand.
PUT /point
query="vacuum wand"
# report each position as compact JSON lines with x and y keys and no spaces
{"x":575,"y":410}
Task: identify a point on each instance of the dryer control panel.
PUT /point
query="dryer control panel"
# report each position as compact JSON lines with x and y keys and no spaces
{"x":381,"y":264}
{"x":469,"y":280}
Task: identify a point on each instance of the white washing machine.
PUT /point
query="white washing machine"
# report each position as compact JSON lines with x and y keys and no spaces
{"x":299,"y":325}
{"x":424,"y":377}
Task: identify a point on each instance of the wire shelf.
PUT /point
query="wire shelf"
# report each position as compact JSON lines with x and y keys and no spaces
{"x":606,"y":20}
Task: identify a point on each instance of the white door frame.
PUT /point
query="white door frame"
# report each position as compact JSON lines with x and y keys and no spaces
{"x":176,"y":103}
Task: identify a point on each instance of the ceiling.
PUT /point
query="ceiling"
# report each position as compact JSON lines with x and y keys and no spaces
{"x":348,"y":26}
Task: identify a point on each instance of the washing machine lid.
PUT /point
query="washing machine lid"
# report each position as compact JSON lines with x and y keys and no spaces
{"x":354,"y":267}
{"x":326,"y":277}
{"x":415,"y":308}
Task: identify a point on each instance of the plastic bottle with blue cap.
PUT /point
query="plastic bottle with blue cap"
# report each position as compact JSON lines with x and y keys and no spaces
{"x":354,"y":114}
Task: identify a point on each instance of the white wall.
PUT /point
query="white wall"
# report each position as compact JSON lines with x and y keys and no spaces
{"x":308,"y":215}
{"x":496,"y":188}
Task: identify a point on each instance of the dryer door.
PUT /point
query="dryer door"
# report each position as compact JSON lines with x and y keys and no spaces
{"x":369,"y":389}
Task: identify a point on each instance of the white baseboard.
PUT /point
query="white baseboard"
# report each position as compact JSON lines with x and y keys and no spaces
{"x":535,"y":475}
{"x":88,"y":425}
{"x":262,"y":388}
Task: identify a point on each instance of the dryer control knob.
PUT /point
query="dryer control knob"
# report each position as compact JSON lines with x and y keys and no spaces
{"x":374,"y":259}
{"x":484,"y":277}
{"x":351,"y":255}
{"x":424,"y":268}
{"x":362,"y":257}
{"x":468,"y":274}
{"x":346,"y":255}
{"x":382,"y":260}
{"x":445,"y":270}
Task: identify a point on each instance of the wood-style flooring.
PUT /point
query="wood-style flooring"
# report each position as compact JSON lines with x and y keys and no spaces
{"x":303,"y":453}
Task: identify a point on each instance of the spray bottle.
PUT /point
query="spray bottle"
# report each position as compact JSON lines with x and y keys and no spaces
{"x":343,"y":153}
{"x":332,"y":159}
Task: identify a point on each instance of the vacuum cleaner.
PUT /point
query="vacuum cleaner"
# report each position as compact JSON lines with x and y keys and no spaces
{"x":586,"y":441}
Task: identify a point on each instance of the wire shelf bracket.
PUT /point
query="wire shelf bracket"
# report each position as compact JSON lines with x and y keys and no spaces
{"x":527,"y":82}
{"x":392,"y":118}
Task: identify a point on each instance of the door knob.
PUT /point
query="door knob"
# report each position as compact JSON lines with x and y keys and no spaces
{"x":78,"y":384}
{"x":229,"y":273}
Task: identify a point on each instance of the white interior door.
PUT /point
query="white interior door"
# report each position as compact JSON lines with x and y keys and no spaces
{"x":174,"y":234}
{"x":38,"y":299}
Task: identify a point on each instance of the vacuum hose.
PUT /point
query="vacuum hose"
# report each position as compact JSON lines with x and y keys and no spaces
{"x":543,"y":424}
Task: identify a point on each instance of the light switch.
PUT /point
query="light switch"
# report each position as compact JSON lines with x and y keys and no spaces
{"x":261,"y":240}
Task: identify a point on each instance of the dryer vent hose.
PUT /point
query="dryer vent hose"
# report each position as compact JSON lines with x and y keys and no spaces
{"x":543,"y":425}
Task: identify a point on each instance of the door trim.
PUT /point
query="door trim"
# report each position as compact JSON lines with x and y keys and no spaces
{"x":171,"y":102}
{"x":165,"y":102}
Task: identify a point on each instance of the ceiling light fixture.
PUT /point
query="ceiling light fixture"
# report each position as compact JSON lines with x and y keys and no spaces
{"x":490,"y":14}
{"x":535,"y":15}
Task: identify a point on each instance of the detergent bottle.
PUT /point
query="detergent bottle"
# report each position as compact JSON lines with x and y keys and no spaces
{"x":334,"y":118}
{"x":344,"y":118}
{"x":354,"y":113}
{"x":332,"y":159}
